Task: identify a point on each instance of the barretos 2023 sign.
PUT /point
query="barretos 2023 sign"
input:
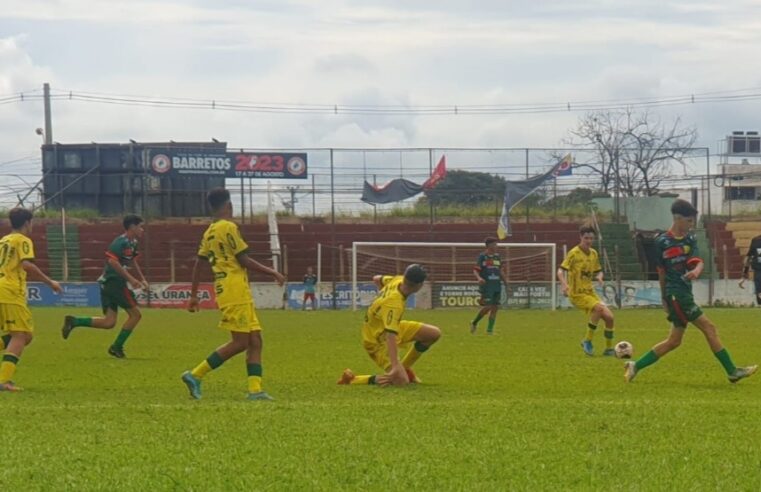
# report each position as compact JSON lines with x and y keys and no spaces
{"x":187,"y":162}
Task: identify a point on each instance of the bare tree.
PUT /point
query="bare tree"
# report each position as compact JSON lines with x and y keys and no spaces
{"x":633,"y":148}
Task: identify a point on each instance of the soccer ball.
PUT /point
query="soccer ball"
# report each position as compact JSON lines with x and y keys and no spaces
{"x":624,"y":350}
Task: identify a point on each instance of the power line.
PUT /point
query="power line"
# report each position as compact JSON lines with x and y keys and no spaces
{"x":714,"y":97}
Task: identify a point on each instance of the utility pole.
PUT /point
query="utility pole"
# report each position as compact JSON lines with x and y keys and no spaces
{"x":293,"y":190}
{"x":48,"y":117}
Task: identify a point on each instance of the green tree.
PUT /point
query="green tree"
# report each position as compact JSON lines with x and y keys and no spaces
{"x":466,"y":188}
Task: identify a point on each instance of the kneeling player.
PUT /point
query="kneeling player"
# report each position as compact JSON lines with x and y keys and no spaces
{"x":383,"y":331}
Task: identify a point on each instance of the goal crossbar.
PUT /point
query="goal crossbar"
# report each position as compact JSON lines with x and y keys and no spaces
{"x":358,"y":245}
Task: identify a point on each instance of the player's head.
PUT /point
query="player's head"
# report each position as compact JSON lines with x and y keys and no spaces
{"x":685,"y":215}
{"x":21,"y":219}
{"x":414,"y":277}
{"x":491,"y":244}
{"x":587,"y":235}
{"x":219,"y":202}
{"x":133,"y":225}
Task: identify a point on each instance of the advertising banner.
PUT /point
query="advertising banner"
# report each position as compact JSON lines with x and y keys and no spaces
{"x":365,"y":295}
{"x":174,"y":162}
{"x":78,"y":295}
{"x":176,"y":296}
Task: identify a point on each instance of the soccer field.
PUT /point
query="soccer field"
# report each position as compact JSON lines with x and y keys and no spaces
{"x":523,"y":409}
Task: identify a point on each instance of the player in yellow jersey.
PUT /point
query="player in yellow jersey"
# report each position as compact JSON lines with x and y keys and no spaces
{"x":227,"y":253}
{"x":16,"y":325}
{"x":580,"y":266}
{"x":384,"y":331}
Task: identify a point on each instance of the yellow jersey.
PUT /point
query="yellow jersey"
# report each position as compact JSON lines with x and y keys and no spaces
{"x":14,"y":248}
{"x":386,"y":311}
{"x":582,"y":268}
{"x":220,"y":245}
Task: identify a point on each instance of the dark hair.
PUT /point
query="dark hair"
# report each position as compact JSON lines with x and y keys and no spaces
{"x":217,"y":197}
{"x":130,"y":220}
{"x":490,"y":240}
{"x":683,"y":208}
{"x":415,"y":274}
{"x":19,"y":216}
{"x":586,"y":229}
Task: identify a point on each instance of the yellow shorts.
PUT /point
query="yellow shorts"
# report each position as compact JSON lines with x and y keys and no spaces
{"x":585,"y":302}
{"x":377,"y":349}
{"x":240,"y":318}
{"x":15,"y":317}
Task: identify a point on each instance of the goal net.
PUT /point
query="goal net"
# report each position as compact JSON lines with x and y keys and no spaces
{"x":530,"y":269}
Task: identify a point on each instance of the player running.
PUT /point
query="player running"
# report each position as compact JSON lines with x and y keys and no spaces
{"x":753,"y":260}
{"x":575,"y":274}
{"x":227,"y":253}
{"x":16,"y":324}
{"x":116,"y":283}
{"x":384,"y":331}
{"x":490,"y":275}
{"x":679,"y":264}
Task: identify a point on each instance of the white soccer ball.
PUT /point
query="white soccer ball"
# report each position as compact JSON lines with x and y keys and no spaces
{"x":624,"y":350}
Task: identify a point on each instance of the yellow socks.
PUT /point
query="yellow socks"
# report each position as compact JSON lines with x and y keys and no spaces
{"x":8,"y":367}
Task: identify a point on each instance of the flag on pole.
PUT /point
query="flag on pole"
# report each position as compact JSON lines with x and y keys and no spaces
{"x":401,"y":189}
{"x":516,"y":191}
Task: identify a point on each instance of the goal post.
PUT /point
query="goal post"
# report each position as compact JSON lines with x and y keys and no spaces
{"x":530,"y":268}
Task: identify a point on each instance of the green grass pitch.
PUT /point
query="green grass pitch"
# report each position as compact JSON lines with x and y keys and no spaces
{"x":522,"y":410}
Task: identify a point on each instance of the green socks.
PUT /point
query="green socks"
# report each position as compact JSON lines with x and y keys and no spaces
{"x":490,"y":326}
{"x":608,"y":338}
{"x":121,"y":338}
{"x":646,"y":360}
{"x":726,"y":361}
{"x":84,"y":321}
{"x":477,"y":318}
{"x":590,"y":332}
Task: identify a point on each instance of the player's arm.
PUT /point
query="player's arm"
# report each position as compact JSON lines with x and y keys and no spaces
{"x":251,"y":264}
{"x":562,"y":274}
{"x":695,"y":263}
{"x":391,"y":316}
{"x":195,"y":280}
{"x":31,"y":269}
{"x":114,"y":262}
{"x":477,"y":274}
{"x":140,"y":275}
{"x":378,"y":281}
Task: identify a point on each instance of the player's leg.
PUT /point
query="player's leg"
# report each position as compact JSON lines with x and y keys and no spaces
{"x":16,"y":343}
{"x":235,"y":320}
{"x":254,"y":361}
{"x":606,"y":315}
{"x":422,"y":336}
{"x":133,"y":318}
{"x":481,"y":313}
{"x":304,"y":301}
{"x":587,"y":304}
{"x":674,"y":340}
{"x":722,"y":354}
{"x":109,"y":301}
{"x":21,"y":334}
{"x":5,"y":339}
{"x":493,"y":309}
{"x":757,"y":287}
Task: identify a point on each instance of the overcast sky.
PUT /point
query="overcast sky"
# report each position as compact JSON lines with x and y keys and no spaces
{"x":406,"y":52}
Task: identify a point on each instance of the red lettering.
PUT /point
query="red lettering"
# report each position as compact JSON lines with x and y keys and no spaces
{"x":242,"y":162}
{"x":263,"y":163}
{"x":279,"y":163}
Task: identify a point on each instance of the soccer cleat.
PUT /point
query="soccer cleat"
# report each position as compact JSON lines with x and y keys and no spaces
{"x":630,"y":370}
{"x":586,"y":346}
{"x":742,"y":372}
{"x":193,"y":384}
{"x":347,"y":377}
{"x":412,"y":376}
{"x":609,"y":352}
{"x":10,"y":387}
{"x":261,"y":395}
{"x":473,"y":327}
{"x":117,"y":352}
{"x":68,"y":326}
